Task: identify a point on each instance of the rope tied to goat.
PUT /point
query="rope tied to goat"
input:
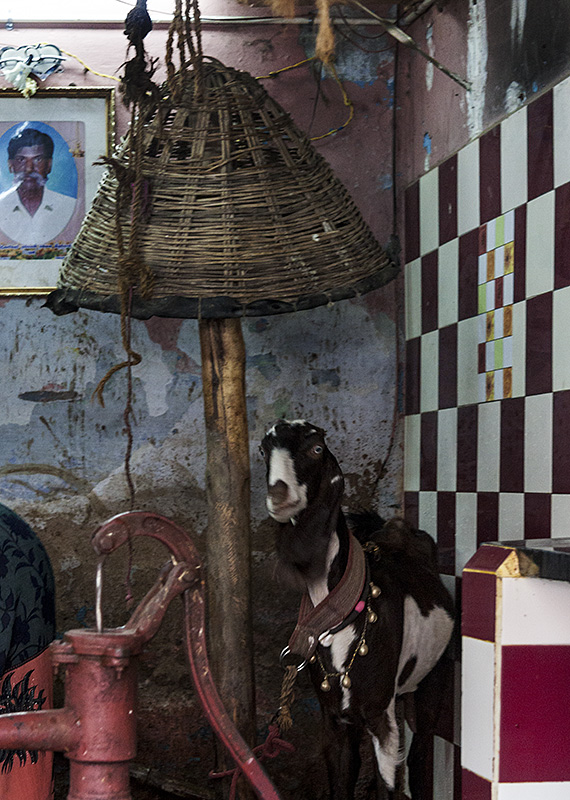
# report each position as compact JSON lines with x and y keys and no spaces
{"x":271,"y":748}
{"x":284,"y":717}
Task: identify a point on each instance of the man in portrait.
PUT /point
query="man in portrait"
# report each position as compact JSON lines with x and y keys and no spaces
{"x":30,"y":212}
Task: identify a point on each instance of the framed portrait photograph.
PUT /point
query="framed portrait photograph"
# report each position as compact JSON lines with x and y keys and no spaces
{"x":48,"y":178}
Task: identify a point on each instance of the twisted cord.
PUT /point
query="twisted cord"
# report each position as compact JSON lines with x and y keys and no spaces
{"x":284,"y":718}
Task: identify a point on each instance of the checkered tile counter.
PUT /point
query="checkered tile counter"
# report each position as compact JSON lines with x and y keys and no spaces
{"x":515,"y":684}
{"x":487,"y":285}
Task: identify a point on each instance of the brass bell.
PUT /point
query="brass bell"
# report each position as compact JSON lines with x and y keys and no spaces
{"x":363,"y":649}
{"x":346,"y":682}
{"x":312,"y":659}
{"x":325,"y":685}
{"x":372,"y":616}
{"x":375,"y":591}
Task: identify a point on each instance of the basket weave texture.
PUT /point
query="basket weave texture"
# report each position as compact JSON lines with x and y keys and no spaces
{"x":240,"y":206}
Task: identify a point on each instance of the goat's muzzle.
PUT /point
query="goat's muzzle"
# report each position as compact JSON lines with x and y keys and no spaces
{"x":283,"y":503}
{"x":278,"y":492}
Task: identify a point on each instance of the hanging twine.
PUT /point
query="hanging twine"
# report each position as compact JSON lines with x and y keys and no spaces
{"x":187,"y":28}
{"x":284,"y":718}
{"x":324,"y":44}
{"x":137,"y":83}
{"x":138,"y":91}
{"x":132,"y":271}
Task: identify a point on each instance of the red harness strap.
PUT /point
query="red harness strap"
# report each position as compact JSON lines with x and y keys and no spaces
{"x":345,"y":599}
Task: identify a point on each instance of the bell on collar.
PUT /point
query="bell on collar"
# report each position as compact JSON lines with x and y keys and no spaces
{"x":363,"y":649}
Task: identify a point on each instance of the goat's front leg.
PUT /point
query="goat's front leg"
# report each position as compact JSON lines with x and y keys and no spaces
{"x":388,"y":751}
{"x":342,"y":754}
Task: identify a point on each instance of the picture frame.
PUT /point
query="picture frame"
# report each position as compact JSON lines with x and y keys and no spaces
{"x":34,"y":239}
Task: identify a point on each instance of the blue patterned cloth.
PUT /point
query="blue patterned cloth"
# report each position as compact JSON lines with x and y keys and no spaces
{"x":27,"y":593}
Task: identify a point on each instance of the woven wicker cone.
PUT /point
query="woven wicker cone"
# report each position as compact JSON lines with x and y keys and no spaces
{"x":241,"y":205}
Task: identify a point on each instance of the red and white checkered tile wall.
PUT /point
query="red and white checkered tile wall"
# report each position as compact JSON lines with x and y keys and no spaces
{"x":487,"y":283}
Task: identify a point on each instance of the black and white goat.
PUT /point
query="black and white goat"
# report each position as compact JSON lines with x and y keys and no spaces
{"x":369,"y":638}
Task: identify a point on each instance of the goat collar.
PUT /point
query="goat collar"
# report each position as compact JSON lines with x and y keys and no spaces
{"x":339,"y":608}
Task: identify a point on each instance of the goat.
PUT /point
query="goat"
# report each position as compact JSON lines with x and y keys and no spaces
{"x":396,"y":619}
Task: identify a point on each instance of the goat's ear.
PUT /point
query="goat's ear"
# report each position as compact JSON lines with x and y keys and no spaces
{"x":323,"y":510}
{"x":332,"y":480}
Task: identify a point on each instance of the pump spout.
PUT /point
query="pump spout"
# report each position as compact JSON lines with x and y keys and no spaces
{"x":52,"y":729}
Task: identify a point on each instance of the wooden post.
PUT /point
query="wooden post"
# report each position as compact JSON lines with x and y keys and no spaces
{"x":229,"y":540}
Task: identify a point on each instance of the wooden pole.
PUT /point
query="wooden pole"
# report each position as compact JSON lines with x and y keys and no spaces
{"x":229,"y":539}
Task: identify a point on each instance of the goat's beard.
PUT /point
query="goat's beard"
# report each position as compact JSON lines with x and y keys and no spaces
{"x":291,"y":511}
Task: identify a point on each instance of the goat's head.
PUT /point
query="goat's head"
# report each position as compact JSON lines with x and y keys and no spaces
{"x":300,"y":469}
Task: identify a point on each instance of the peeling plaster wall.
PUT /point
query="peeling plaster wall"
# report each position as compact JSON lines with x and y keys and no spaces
{"x":334,"y":364}
{"x":62,"y":455}
{"x":509,"y":50}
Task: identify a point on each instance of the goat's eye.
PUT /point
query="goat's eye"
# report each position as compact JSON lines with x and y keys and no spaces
{"x":263,"y":453}
{"x":317,"y":449}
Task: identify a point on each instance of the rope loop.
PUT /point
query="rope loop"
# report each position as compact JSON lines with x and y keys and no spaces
{"x":271,"y":748}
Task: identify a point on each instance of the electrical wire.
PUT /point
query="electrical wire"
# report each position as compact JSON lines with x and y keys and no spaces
{"x":347,"y":102}
{"x":352,"y":24}
{"x":87,"y":67}
{"x":354,"y":27}
{"x":402,"y":37}
{"x":356,"y":44}
{"x":273,"y":74}
{"x":345,"y":98}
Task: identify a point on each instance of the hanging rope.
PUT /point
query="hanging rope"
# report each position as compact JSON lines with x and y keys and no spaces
{"x":132,"y":271}
{"x":138,"y":91}
{"x":187,"y":28}
{"x":284,"y":718}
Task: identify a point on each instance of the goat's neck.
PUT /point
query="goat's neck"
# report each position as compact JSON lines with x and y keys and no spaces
{"x":334,"y":564}
{"x":313,"y":548}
